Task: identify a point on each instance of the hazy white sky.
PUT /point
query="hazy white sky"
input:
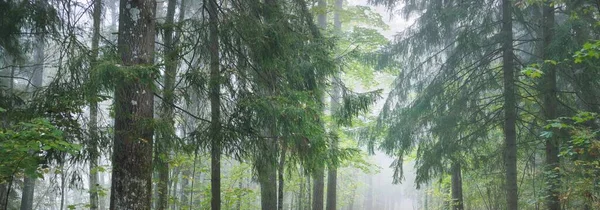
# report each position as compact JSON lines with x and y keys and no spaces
{"x":395,"y":22}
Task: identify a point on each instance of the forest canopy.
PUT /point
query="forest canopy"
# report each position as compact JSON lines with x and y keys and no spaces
{"x":299,"y":104}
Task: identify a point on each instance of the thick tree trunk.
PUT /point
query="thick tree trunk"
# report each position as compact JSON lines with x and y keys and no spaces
{"x":215,"y":105}
{"x":457,"y":194}
{"x":550,"y":108}
{"x":28,"y":190}
{"x":134,"y":106}
{"x":93,"y":123}
{"x":267,"y":178}
{"x":510,"y":110}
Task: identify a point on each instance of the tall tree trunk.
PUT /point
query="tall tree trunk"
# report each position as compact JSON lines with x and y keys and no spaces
{"x":185,"y":176}
{"x":318,"y":185}
{"x":267,"y":178}
{"x":369,"y":198}
{"x":281,"y":170}
{"x":510,"y":110}
{"x":174,"y":183}
{"x":267,"y":160}
{"x":457,"y":194}
{"x":5,"y":81}
{"x":550,"y":101}
{"x":215,"y":105}
{"x":309,"y":192}
{"x":63,"y":184}
{"x":167,"y":113}
{"x":319,"y":182}
{"x":301,"y":193}
{"x":93,"y":123}
{"x":37,"y":81}
{"x":134,"y":105}
{"x":193,"y":178}
{"x":238,"y":204}
{"x":335,"y":100}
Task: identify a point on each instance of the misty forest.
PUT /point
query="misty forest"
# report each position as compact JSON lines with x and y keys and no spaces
{"x":299,"y":104}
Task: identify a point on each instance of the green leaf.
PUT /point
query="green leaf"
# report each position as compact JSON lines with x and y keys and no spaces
{"x":546,"y":134}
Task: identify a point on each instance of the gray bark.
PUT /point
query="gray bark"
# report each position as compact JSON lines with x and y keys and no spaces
{"x":93,"y":123}
{"x":134,"y":106}
{"x":36,"y":81}
{"x":335,"y":101}
{"x":457,"y":193}
{"x":281,"y":170}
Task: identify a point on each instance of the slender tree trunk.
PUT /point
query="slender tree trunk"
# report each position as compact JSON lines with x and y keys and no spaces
{"x":318,"y":188}
{"x":238,"y":205}
{"x":369,"y":198}
{"x":63,"y":184}
{"x":93,"y":123}
{"x":281,"y":170}
{"x":193,"y":177}
{"x":457,"y":194}
{"x":167,"y":113}
{"x":215,"y":105}
{"x":309,"y":192}
{"x":4,"y":195}
{"x":37,"y":81}
{"x":510,"y":110}
{"x":185,"y":176}
{"x":301,"y":194}
{"x":174,"y":186}
{"x":319,"y":182}
{"x":134,"y":106}
{"x":550,"y":108}
{"x":335,"y":100}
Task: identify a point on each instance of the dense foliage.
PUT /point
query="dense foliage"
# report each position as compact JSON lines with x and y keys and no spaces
{"x":290,"y":104}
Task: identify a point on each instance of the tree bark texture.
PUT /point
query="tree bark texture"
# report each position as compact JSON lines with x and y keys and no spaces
{"x":550,"y":101}
{"x":510,"y":109}
{"x":215,"y":105}
{"x":281,"y":169}
{"x":267,"y":178}
{"x":167,"y":133}
{"x":93,"y":123}
{"x":457,"y":194}
{"x":318,"y":188}
{"x":134,"y":105}
{"x":335,"y":101}
{"x":267,"y":160}
{"x":319,"y":180}
{"x":37,"y":81}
